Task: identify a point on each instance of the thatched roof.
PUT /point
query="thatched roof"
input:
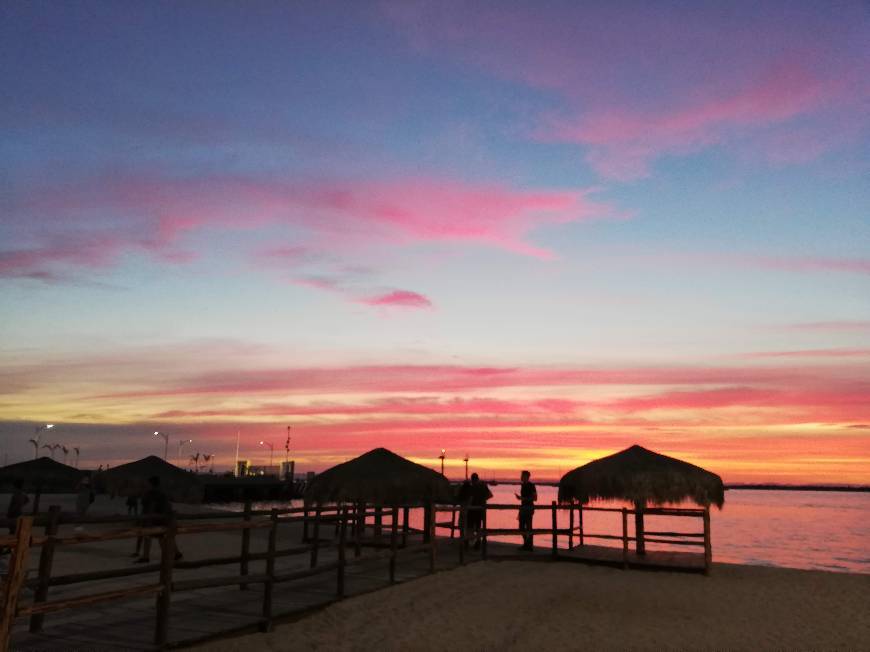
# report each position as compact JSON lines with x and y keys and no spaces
{"x":379,"y":476}
{"x":640,"y":475}
{"x":45,"y":473}
{"x":131,"y":479}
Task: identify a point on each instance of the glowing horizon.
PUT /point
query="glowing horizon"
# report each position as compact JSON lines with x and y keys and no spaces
{"x":536,"y":235}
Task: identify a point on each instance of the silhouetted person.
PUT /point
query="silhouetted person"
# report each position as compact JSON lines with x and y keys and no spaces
{"x":156,"y":510}
{"x":132,"y":505}
{"x":527,"y":497}
{"x":16,"y":505}
{"x":474,"y":494}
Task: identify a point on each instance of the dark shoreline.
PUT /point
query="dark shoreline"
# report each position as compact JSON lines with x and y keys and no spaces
{"x":739,"y":487}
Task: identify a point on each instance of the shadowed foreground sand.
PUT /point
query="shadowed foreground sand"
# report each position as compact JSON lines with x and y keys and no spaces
{"x":529,"y":606}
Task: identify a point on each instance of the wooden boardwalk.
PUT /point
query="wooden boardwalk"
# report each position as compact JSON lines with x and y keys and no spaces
{"x":103,"y":605}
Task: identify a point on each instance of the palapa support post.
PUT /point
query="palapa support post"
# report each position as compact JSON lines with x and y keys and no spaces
{"x":342,"y":540}
{"x":571,"y":527}
{"x":379,"y":521}
{"x":624,"y":537}
{"x":427,"y":521}
{"x":246,"y":544}
{"x":453,"y":520}
{"x":483,"y":536}
{"x":315,"y":546}
{"x":305,"y":522}
{"x":46,"y":559}
{"x":463,"y":532}
{"x":357,"y":535}
{"x":15,"y":578}
{"x":708,"y":547}
{"x":394,"y":542}
{"x":406,"y":512}
{"x":580,"y":521}
{"x":167,"y":561}
{"x":266,"y":624}
{"x":555,"y":530}
{"x":430,"y":530}
{"x":639,"y":544}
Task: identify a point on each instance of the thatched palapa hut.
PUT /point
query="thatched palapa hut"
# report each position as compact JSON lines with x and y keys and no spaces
{"x":380,"y":477}
{"x":645,"y":478}
{"x":131,"y":479}
{"x":43,"y":474}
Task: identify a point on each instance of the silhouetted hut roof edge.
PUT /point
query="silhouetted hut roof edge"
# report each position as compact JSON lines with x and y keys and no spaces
{"x":642,"y":476}
{"x":42,"y":472}
{"x":132,"y":479}
{"x":379,"y":476}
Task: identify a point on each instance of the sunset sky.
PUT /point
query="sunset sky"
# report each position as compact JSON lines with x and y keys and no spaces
{"x":535,"y":233}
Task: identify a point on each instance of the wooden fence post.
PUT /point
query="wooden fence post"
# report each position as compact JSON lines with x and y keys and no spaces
{"x":394,"y":541}
{"x":266,"y":624}
{"x":246,"y":544}
{"x":453,"y":520}
{"x":37,"y":494}
{"x":305,"y":522}
{"x":580,"y":522}
{"x":15,"y":578}
{"x":315,"y":547}
{"x":379,"y":522}
{"x":167,"y":561}
{"x":427,"y":522}
{"x":708,"y":546}
{"x":624,"y":537}
{"x":430,"y":510}
{"x":555,"y":530}
{"x":342,"y":538}
{"x":46,"y":557}
{"x":571,"y":527}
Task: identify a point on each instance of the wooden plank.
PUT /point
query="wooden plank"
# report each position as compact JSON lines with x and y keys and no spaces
{"x":93,"y":598}
{"x":211,"y":582}
{"x":46,"y":558}
{"x":15,"y":578}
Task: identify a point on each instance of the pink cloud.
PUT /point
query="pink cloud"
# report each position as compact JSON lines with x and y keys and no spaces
{"x":399,"y":299}
{"x":155,"y":214}
{"x":844,"y":325}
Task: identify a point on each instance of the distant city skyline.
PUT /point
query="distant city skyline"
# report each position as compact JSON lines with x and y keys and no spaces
{"x":535,"y":234}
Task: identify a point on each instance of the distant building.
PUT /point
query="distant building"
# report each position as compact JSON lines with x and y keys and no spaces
{"x":242,"y":468}
{"x":288,"y":470}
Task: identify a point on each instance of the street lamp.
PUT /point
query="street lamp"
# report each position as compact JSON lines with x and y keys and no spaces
{"x":181,"y":443}
{"x":157,"y":433}
{"x":36,"y":436}
{"x":465,"y":459}
{"x":271,"y":450}
{"x":441,"y":457}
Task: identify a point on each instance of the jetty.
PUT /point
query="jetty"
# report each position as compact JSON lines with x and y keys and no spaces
{"x":284,"y":562}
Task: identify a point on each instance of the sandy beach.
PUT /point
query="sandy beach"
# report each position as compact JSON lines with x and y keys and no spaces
{"x":530,"y":606}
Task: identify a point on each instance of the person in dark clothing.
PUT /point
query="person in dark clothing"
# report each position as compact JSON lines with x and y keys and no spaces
{"x":527,"y":497}
{"x":156,"y":510}
{"x":16,"y":505}
{"x":474,"y":494}
{"x":132,"y":505}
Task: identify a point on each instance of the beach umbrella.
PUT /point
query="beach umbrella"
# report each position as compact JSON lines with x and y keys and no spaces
{"x":131,"y":479}
{"x":643,"y":477}
{"x":380,"y":477}
{"x":44,"y":474}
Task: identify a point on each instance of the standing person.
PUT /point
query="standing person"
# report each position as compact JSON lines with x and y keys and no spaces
{"x":527,"y":497}
{"x":478,"y":494}
{"x":83,"y":500}
{"x":156,"y":509}
{"x":16,"y":504}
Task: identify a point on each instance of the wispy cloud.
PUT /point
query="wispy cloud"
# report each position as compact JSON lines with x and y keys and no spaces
{"x":399,"y":299}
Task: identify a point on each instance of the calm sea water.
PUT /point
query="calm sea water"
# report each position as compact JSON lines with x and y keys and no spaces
{"x":818,"y":530}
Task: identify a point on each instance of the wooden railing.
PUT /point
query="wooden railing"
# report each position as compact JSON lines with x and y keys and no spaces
{"x":342,"y":518}
{"x":459,"y":515}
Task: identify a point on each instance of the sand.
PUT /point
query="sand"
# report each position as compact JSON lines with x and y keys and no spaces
{"x":538,"y":605}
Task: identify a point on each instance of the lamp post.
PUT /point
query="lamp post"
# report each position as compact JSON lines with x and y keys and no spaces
{"x":181,"y":443}
{"x":36,"y":435}
{"x":271,"y":450}
{"x":465,"y":459}
{"x":157,"y":433}
{"x":441,"y":457}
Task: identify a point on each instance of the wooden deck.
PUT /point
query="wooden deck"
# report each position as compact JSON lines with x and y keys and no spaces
{"x":199,"y":615}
